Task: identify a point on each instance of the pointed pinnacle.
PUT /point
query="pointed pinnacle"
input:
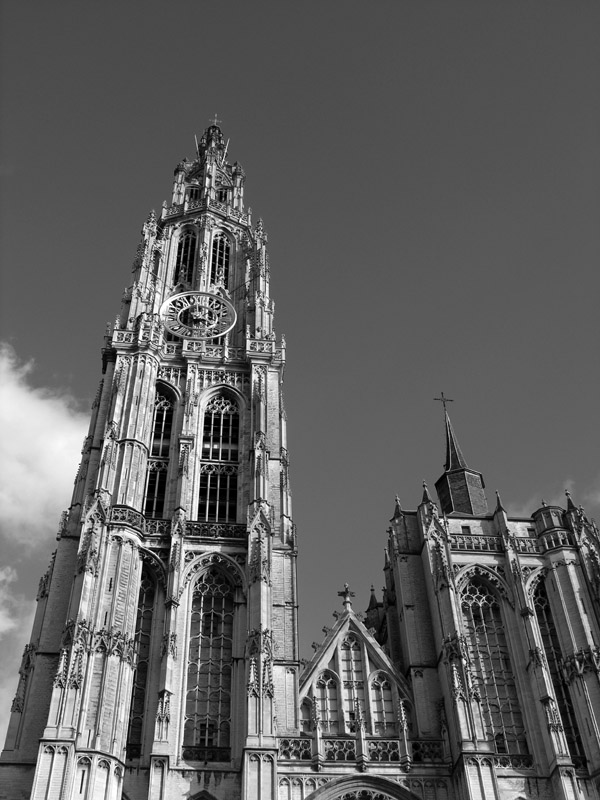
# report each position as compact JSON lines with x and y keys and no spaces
{"x":426,"y":496}
{"x":499,"y":506}
{"x":570,"y":504}
{"x":398,"y":512}
{"x":373,"y":600}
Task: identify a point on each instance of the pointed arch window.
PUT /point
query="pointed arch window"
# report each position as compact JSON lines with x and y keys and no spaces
{"x":219,"y":260}
{"x":207,"y":723}
{"x":382,"y":704}
{"x":326,"y":696}
{"x":553,"y":654}
{"x":186,"y":253}
{"x":143,"y":631}
{"x":219,"y":466}
{"x":352,"y":682}
{"x":222,"y":194}
{"x":492,"y":669}
{"x":158,"y":460}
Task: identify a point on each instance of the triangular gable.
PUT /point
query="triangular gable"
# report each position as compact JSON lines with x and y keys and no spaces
{"x":325,"y":656}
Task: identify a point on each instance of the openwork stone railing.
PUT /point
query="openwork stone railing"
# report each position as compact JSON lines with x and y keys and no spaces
{"x":158,"y":527}
{"x":295,"y":749}
{"x":381,"y":751}
{"x":215,"y":530}
{"x":513,"y":762}
{"x":556,"y":538}
{"x":127,"y":516}
{"x":525,"y":545}
{"x":384,"y":750}
{"x":339,"y":749}
{"x":204,"y":205}
{"x":124,"y":515}
{"x":492,"y":544}
{"x":480,"y":542}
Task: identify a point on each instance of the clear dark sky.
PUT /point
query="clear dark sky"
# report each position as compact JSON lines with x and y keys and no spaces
{"x":429,"y":175}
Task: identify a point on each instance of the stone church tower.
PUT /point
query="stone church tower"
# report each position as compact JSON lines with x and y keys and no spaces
{"x":163,"y":661}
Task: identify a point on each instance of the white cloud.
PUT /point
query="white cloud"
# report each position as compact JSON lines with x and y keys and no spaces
{"x":42,"y":432}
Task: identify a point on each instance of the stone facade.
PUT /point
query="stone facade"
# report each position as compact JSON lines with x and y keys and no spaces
{"x":163,"y":660}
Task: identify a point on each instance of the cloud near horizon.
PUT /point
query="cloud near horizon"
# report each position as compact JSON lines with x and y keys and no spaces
{"x":42,"y":432}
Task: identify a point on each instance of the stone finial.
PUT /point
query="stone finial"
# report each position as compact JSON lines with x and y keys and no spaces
{"x":346,"y":594}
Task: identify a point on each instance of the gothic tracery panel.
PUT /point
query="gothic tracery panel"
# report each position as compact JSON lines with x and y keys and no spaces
{"x":209,"y":662}
{"x":186,"y":252}
{"x":492,"y":669}
{"x":220,"y":260}
{"x":219,"y":466}
{"x":158,"y":460}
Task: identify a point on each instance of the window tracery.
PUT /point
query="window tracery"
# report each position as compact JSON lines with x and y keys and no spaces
{"x":158,"y":461}
{"x":143,"y":630}
{"x":553,"y":653}
{"x":326,"y":696}
{"x":220,"y":258}
{"x":186,"y":254}
{"x":352,"y":682}
{"x":382,"y":704}
{"x":208,"y":691}
{"x":219,"y":466}
{"x":492,"y":670}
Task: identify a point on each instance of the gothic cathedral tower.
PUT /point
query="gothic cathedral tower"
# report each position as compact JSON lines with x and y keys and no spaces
{"x":153,"y":643}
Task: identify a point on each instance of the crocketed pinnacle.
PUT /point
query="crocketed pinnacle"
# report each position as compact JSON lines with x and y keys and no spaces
{"x":454,"y":456}
{"x":426,"y":496}
{"x":570,"y":504}
{"x":373,"y":603}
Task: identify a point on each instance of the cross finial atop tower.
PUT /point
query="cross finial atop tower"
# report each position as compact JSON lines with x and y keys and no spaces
{"x":346,"y":594}
{"x":215,"y":121}
{"x":443,"y":399}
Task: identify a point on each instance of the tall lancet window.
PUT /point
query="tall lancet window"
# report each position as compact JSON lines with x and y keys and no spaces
{"x":382,"y":704}
{"x":206,"y":735}
{"x":219,"y":261}
{"x":184,"y":263}
{"x":158,"y":460}
{"x":326,"y":696}
{"x":553,"y":658}
{"x":219,"y":466}
{"x":353,"y":682}
{"x":492,"y":669}
{"x":143,"y":630}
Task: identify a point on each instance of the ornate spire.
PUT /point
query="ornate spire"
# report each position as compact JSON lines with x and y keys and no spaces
{"x":460,"y":489}
{"x":454,"y":456}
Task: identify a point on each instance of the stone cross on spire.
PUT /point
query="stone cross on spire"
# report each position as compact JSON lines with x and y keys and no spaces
{"x":346,"y":594}
{"x":443,"y":399}
{"x":215,"y":121}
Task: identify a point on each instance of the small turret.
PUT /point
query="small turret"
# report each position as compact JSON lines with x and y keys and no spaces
{"x":460,"y":489}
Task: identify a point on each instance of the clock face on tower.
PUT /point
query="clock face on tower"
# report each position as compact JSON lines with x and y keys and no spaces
{"x":197,"y":315}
